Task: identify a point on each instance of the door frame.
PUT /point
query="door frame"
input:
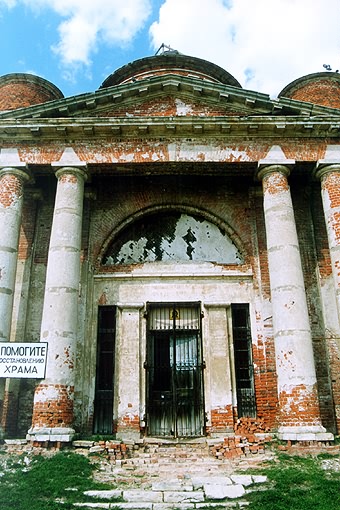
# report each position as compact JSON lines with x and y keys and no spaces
{"x":172,"y":394}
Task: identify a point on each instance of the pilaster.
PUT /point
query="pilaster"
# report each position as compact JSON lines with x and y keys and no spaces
{"x":127,"y":401}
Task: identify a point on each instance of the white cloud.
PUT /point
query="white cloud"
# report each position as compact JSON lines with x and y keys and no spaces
{"x":88,"y":23}
{"x":8,"y":3}
{"x":264,"y":44}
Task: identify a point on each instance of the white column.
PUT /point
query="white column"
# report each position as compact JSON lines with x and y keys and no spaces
{"x":13,"y":175}
{"x":328,"y":171}
{"x":299,"y":414}
{"x":54,"y":396}
{"x":11,"y":199}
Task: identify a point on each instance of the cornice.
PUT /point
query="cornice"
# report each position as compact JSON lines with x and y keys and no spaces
{"x":68,"y":129}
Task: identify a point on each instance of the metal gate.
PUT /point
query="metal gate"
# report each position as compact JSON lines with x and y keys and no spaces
{"x":175,"y":399}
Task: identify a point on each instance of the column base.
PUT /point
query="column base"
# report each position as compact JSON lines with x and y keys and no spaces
{"x":304,"y":433}
{"x":55,"y":435}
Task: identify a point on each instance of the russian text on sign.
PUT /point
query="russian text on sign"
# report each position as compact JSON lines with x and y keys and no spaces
{"x":23,"y":360}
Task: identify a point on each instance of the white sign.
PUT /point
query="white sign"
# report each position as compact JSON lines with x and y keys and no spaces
{"x":24,"y":360}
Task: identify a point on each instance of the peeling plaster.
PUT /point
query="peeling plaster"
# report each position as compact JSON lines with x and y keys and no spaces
{"x":182,"y":108}
{"x":45,"y":394}
{"x":186,"y":151}
{"x":127,"y":157}
{"x":172,"y":237}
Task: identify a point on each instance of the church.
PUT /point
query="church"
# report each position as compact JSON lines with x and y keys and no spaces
{"x":170,"y":255}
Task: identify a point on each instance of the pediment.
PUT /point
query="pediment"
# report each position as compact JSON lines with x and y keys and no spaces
{"x":178,"y":105}
{"x":169,"y":96}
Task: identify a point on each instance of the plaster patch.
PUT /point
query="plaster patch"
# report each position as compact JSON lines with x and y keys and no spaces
{"x":193,"y":152}
{"x":127,"y":157}
{"x":45,"y":394}
{"x":182,"y":108}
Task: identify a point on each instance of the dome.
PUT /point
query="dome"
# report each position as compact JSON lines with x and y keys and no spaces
{"x":19,"y":90}
{"x":170,"y":62}
{"x":319,"y":88}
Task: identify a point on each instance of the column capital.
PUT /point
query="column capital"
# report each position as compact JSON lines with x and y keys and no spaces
{"x":78,"y":171}
{"x":275,"y":161}
{"x":330,"y":163}
{"x":21,"y":172}
{"x":323,"y":168}
{"x":268,"y":169}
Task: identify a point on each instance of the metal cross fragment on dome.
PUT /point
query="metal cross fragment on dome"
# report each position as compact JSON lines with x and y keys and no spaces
{"x":328,"y":68}
{"x":164,"y":48}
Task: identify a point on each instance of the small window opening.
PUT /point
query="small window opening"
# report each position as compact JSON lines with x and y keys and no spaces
{"x":103,"y":409}
{"x":244,"y":370}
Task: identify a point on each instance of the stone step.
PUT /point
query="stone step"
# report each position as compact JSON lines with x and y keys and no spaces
{"x":163,"y":506}
{"x":191,"y":493}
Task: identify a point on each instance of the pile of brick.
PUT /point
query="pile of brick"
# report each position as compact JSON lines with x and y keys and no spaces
{"x":114,"y":450}
{"x":250,"y":426}
{"x":251,"y":436}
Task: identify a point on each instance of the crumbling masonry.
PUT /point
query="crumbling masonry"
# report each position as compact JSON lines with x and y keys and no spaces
{"x":174,"y":240}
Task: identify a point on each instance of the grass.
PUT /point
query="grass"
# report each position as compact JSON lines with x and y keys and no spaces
{"x":298,"y":483}
{"x":40,"y":484}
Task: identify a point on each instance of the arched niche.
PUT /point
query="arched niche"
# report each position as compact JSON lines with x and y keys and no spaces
{"x":172,"y":236}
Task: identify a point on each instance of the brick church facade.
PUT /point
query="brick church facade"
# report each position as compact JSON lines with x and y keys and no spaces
{"x":174,"y":240}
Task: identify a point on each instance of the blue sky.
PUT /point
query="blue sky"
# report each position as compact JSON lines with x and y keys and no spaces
{"x":76,"y":44}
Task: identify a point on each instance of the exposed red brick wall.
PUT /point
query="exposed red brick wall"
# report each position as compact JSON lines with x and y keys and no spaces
{"x":9,"y":416}
{"x":265,"y":377}
{"x":226,"y":201}
{"x":170,"y":107}
{"x":11,"y":189}
{"x":19,"y":95}
{"x":44,"y":218}
{"x":300,"y":405}
{"x":56,"y":411}
{"x":331,"y":183}
{"x":259,"y":254}
{"x":27,"y":230}
{"x":320,"y":237}
{"x":25,"y":406}
{"x":128,"y":422}
{"x":324,"y":92}
{"x":265,"y":380}
{"x":275,"y":182}
{"x":222,"y":419}
{"x":309,"y":238}
{"x":113,"y":150}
